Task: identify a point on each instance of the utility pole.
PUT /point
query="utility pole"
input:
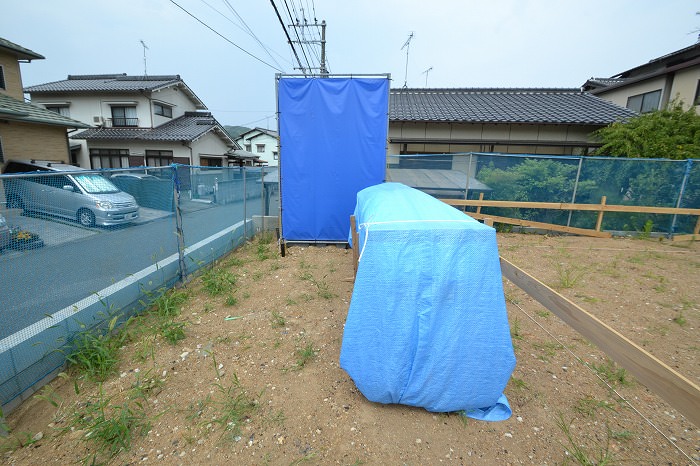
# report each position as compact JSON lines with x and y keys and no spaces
{"x":426,"y":75}
{"x":406,"y":45}
{"x":323,"y":71}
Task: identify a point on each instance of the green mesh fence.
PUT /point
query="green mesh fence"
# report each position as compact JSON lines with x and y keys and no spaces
{"x":583,"y":180}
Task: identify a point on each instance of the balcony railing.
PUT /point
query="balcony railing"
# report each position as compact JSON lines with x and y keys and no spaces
{"x":122,"y":122}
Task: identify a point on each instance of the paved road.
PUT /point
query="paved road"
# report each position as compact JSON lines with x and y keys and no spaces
{"x":42,"y":281}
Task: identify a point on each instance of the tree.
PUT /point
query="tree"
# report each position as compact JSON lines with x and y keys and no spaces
{"x":672,"y":133}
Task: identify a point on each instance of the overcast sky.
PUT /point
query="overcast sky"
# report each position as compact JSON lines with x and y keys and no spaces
{"x":464,"y":43}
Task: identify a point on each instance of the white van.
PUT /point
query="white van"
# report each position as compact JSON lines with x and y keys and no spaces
{"x":60,"y":189}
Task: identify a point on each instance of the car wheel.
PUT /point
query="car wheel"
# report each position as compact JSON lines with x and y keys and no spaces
{"x":86,"y":218}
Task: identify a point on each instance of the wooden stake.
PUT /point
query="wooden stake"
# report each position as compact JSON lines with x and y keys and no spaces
{"x":599,"y":222}
{"x":355,"y":246}
{"x":481,"y":198}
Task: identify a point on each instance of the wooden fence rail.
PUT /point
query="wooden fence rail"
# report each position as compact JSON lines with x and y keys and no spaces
{"x":600,"y":208}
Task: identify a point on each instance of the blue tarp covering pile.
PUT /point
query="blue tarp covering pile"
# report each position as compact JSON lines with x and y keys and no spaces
{"x":427,"y":324}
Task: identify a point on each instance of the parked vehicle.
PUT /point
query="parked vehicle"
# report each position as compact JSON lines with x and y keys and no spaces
{"x":63,"y":190}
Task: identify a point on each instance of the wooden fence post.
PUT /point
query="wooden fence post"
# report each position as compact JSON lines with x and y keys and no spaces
{"x":599,"y":222}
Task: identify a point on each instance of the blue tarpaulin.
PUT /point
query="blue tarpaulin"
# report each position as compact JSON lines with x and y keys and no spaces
{"x":332,"y":144}
{"x":427,"y":324}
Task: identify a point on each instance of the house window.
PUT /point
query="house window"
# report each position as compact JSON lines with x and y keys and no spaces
{"x":162,"y":110}
{"x":260,"y":148}
{"x":696,"y":101}
{"x":210,"y":162}
{"x":275,"y":156}
{"x":644,"y":103}
{"x":248,"y":148}
{"x":159,"y":158}
{"x":60,"y":109}
{"x":2,"y":78}
{"x":109,"y":158}
{"x":124,"y":116}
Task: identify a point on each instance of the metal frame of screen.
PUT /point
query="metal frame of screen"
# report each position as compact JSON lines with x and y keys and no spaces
{"x":316,"y":188}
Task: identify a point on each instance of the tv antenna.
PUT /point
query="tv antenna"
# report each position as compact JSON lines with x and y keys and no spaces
{"x":426,"y":75}
{"x":145,"y":47}
{"x":407,"y":45}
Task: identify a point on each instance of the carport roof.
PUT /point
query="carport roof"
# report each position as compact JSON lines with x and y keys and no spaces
{"x":189,"y":127}
{"x":493,"y":105}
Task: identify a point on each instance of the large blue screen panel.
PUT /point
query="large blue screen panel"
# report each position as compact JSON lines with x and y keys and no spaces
{"x":332,"y":144}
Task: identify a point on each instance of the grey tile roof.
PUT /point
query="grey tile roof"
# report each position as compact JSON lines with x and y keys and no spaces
{"x":189,"y":127}
{"x":105,"y":83}
{"x":21,"y":52}
{"x":13,"y":109}
{"x":486,"y":105}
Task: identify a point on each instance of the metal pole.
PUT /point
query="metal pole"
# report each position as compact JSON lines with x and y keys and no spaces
{"x":245,"y":206}
{"x":324,"y":71}
{"x":573,"y":196}
{"x":178,"y":225}
{"x":688,"y":167}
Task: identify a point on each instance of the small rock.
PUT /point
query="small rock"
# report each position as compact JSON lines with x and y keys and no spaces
{"x":418,"y":441}
{"x":508,"y":434}
{"x":38,"y":436}
{"x":519,"y":419}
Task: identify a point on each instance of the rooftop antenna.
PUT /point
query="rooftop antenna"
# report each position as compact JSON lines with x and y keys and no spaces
{"x":145,"y":47}
{"x":407,"y":45}
{"x":426,"y":75}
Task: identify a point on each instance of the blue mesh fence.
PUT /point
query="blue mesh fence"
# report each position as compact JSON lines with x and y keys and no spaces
{"x":583,"y":180}
{"x":79,"y":247}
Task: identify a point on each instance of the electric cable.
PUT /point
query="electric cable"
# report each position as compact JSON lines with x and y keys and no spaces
{"x":296,"y":32}
{"x":286,"y":33}
{"x":225,"y":38}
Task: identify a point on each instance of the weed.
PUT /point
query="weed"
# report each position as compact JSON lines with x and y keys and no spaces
{"x":305,"y":355}
{"x":515,"y":330}
{"x":235,"y":262}
{"x":306,"y":276}
{"x":277,"y":320}
{"x":518,"y":383}
{"x":245,"y":295}
{"x":622,"y":434}
{"x":234,"y":405}
{"x":217,"y":281}
{"x":49,"y":395}
{"x":231,"y":300}
{"x":275,"y":266}
{"x":579,"y":452}
{"x":588,"y":406}
{"x":548,"y":349}
{"x":543,"y":313}
{"x":680,"y":320}
{"x":95,"y":353}
{"x":611,"y":373}
{"x":323,"y":290}
{"x":568,"y":275}
{"x":109,"y":427}
{"x":146,"y":385}
{"x":145,"y":349}
{"x":257,"y":275}
{"x":263,"y":252}
{"x":646,"y":230}
{"x":291,"y":302}
{"x":173,"y":331}
{"x":510,"y":297}
{"x":168,"y":304}
{"x":306,"y":297}
{"x":4,"y":426}
{"x":208,"y":307}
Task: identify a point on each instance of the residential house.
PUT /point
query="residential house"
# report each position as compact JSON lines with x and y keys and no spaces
{"x":651,"y":86}
{"x":138,"y":120}
{"x":521,"y":121}
{"x":28,"y":131}
{"x":262,"y":143}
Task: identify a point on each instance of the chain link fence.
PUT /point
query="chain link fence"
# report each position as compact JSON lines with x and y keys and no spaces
{"x":79,"y":247}
{"x":561,"y":179}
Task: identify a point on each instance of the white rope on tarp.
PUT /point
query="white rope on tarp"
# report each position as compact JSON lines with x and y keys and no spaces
{"x":366,"y":226}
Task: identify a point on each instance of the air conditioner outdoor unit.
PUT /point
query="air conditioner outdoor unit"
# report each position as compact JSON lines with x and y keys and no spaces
{"x":98,"y":119}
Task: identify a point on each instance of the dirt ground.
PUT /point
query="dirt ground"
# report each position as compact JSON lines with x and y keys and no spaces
{"x":256,"y":379}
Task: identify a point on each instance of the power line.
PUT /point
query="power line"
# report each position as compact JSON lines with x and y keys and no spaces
{"x":296,"y":32}
{"x":225,"y":38}
{"x":250,"y":31}
{"x":286,"y":33}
